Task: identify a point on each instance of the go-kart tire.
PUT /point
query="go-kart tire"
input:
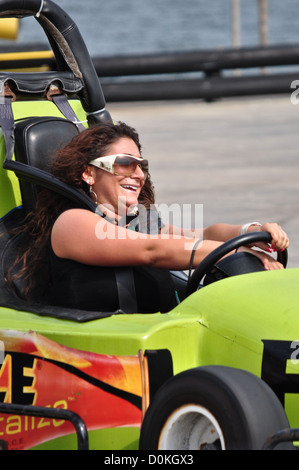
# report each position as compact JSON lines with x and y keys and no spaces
{"x":213,"y":408}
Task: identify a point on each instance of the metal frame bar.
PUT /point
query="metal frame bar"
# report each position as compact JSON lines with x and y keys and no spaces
{"x":52,"y":413}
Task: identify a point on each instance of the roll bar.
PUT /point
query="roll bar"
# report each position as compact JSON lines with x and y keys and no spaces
{"x":69,"y":49}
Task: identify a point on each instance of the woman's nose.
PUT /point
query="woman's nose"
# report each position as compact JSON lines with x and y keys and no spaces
{"x":139,"y":172}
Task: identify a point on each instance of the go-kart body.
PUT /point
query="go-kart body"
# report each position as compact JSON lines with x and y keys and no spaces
{"x":107,"y":369}
{"x":216,"y":325}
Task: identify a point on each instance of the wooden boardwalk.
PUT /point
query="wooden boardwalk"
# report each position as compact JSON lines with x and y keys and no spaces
{"x":237,"y":157}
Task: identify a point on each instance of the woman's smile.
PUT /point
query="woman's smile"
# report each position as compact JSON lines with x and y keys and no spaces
{"x":131,"y":187}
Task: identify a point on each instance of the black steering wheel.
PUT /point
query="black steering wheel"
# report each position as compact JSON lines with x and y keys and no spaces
{"x":209,"y":261}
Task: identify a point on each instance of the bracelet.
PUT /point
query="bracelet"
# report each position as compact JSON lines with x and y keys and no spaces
{"x":192,"y":256}
{"x":246,"y":226}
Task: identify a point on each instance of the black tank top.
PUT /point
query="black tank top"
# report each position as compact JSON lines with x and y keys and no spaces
{"x":77,"y":285}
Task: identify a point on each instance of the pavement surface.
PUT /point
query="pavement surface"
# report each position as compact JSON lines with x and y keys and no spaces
{"x":239,"y":158}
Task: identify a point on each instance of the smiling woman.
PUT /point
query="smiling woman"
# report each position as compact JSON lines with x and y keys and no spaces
{"x":100,"y":261}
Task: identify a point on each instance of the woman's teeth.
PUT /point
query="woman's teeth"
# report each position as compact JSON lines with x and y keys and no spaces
{"x":129,"y":187}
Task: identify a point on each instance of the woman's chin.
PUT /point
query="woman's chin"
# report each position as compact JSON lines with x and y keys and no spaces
{"x":131,"y":199}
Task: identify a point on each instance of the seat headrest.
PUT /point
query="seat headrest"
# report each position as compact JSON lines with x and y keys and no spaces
{"x":36,"y":140}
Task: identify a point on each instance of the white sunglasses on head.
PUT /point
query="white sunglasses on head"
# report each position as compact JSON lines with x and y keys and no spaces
{"x":121,"y":164}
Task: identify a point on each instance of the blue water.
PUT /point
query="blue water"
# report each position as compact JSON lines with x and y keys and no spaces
{"x":111,"y":27}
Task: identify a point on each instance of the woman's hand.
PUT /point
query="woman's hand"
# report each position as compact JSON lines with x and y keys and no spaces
{"x":279,"y":242}
{"x":269,"y":263}
{"x":279,"y":239}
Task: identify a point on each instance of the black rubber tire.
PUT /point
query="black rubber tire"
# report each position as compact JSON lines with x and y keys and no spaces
{"x":243,"y":405}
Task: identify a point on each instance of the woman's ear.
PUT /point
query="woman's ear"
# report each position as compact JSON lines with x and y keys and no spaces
{"x":88,"y":175}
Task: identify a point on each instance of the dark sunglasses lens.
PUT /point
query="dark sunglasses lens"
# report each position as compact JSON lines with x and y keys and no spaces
{"x":127,"y":166}
{"x":144,"y":167}
{"x":124,"y":161}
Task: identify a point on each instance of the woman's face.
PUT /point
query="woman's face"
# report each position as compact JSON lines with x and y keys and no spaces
{"x":120,"y":192}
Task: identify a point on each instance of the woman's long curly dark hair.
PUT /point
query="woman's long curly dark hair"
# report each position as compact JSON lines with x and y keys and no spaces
{"x":68,"y":165}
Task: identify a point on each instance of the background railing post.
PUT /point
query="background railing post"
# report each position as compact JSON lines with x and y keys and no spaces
{"x":263,"y":25}
{"x":236,"y":23}
{"x":236,"y":27}
{"x":263,"y":22}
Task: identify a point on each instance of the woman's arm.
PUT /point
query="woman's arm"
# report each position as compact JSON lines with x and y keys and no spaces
{"x":87,"y":238}
{"x":219,"y":232}
{"x":224,"y":232}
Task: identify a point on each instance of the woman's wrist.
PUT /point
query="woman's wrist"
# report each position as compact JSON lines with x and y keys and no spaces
{"x":245,"y":227}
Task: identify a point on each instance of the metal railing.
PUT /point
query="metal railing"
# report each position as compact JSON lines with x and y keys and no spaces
{"x":52,"y":413}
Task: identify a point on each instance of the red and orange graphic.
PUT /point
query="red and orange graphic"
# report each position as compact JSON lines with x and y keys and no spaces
{"x":105,"y":391}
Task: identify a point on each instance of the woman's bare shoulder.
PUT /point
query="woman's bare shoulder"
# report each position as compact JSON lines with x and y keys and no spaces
{"x":74,"y":218}
{"x":73,"y":228}
{"x":75,"y":214}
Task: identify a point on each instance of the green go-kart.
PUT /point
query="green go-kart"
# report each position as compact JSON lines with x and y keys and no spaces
{"x":219,"y":371}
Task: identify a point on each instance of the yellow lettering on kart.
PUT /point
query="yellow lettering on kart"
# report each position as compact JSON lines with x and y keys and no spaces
{"x":16,"y":424}
{"x":30,"y":372}
{"x":5,"y":380}
{"x":18,"y":391}
{"x":47,"y":421}
{"x":13,"y":425}
{"x":63,"y":405}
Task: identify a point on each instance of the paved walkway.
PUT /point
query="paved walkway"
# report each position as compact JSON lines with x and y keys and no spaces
{"x":238,"y":157}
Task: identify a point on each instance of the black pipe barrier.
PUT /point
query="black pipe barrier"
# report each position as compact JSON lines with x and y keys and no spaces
{"x":120,"y":82}
{"x":208,"y":61}
{"x":209,"y":86}
{"x":207,"y":89}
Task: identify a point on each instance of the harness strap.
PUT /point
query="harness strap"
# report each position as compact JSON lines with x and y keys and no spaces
{"x":126,"y":290}
{"x":146,"y":222}
{"x":124,"y":276}
{"x":65,"y":108}
{"x":7,"y":124}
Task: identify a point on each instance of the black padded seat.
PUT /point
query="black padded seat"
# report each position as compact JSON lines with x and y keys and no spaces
{"x":36,"y":140}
